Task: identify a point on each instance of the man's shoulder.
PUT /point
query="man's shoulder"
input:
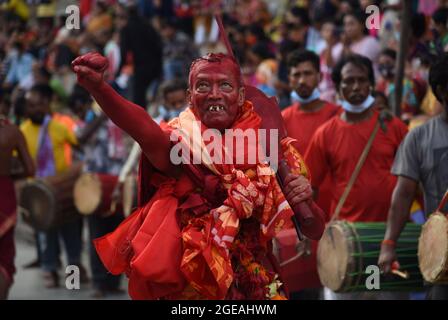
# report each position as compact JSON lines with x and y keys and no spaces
{"x":288,"y":111}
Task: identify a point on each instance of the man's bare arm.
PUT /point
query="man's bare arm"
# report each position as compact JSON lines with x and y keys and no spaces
{"x":130,"y":117}
{"x":24,"y":156}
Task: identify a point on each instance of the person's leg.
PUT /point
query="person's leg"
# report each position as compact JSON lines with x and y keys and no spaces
{"x":103,"y":281}
{"x":7,"y":268}
{"x":72,"y":236}
{"x":49,"y":246}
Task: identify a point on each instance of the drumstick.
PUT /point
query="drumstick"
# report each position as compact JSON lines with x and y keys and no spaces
{"x":402,"y":274}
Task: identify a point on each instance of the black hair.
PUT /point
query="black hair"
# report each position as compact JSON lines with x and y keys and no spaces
{"x":43,"y":90}
{"x":438,"y":74}
{"x":360,"y":16}
{"x":359,"y":61}
{"x":302,"y":14}
{"x":79,"y":95}
{"x":262,"y":50}
{"x":440,"y":16}
{"x":171,"y":86}
{"x":299,"y":56}
{"x":418,"y":25}
{"x":391,"y":53}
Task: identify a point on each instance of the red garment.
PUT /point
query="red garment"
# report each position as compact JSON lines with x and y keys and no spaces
{"x":336,"y":148}
{"x":7,"y":223}
{"x":301,"y":125}
{"x":136,"y":246}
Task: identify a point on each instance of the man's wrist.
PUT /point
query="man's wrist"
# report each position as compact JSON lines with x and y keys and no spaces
{"x":389,"y":242}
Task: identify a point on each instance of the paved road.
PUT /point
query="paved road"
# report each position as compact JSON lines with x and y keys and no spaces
{"x":28,"y":282}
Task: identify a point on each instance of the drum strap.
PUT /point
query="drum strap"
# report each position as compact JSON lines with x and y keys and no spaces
{"x":355,"y":173}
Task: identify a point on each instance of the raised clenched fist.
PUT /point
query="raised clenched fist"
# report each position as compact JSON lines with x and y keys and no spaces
{"x":90,"y":69}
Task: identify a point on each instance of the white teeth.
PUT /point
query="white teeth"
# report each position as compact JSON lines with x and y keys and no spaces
{"x":215,"y":108}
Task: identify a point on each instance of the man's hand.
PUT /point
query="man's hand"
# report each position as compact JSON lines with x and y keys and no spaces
{"x":297,"y":189}
{"x":90,"y":70}
{"x":387,"y":257}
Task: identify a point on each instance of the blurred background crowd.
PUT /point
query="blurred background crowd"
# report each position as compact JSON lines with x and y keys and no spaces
{"x":150,"y":45}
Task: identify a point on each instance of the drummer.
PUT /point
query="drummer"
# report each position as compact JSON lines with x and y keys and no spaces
{"x":10,"y":139}
{"x":104,"y":152}
{"x":337,"y":146}
{"x":421,"y":158}
{"x":46,"y":139}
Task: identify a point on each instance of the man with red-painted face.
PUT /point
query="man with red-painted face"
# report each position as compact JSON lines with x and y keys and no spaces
{"x":201,"y":230}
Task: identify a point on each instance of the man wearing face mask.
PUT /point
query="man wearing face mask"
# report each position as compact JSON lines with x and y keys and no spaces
{"x":307,"y":113}
{"x":338,"y":144}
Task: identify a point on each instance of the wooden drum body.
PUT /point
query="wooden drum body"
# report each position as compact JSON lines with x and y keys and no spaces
{"x":347,"y":249}
{"x":48,"y":202}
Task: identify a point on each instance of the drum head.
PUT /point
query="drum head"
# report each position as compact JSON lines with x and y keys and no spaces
{"x":129,"y":195}
{"x":38,"y":202}
{"x":334,"y":256}
{"x":433,"y":248}
{"x":87,"y":193}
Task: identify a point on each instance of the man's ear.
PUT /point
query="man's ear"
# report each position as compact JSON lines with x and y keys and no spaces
{"x":190,"y":103}
{"x":241,"y":96}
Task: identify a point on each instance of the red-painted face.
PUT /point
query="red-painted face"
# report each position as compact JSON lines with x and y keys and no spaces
{"x":215,"y":94}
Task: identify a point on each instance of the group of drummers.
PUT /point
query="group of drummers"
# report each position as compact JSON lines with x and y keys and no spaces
{"x":368,"y":173}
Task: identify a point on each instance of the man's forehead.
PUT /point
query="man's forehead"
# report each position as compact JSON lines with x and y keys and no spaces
{"x":354,"y":70}
{"x":215,"y":75}
{"x":302,"y":66}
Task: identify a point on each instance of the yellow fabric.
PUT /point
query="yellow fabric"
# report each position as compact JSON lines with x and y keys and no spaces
{"x":59,"y":136}
{"x":19,"y":7}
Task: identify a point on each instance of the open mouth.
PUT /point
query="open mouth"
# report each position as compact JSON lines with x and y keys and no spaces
{"x":215,"y":108}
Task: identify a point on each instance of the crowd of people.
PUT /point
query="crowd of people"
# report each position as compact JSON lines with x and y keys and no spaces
{"x":333,"y":79}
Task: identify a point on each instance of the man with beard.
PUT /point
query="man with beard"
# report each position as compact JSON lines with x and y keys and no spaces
{"x":202,"y":231}
{"x":422,"y":158}
{"x":46,"y":139}
{"x":337,"y":146}
{"x":307,"y":113}
{"x":10,"y":139}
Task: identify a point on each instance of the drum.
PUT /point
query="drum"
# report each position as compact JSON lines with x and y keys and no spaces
{"x":433,"y":246}
{"x":297,"y":260}
{"x":48,"y":202}
{"x":347,"y":249}
{"x":93,"y":193}
{"x":129,"y":194}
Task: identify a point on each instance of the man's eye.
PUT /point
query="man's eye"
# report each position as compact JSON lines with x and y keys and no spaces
{"x":202,"y":85}
{"x":226,"y":85}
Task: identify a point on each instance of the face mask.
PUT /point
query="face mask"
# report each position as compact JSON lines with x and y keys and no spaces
{"x":314,"y":96}
{"x":169,"y":114}
{"x":347,"y":106}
